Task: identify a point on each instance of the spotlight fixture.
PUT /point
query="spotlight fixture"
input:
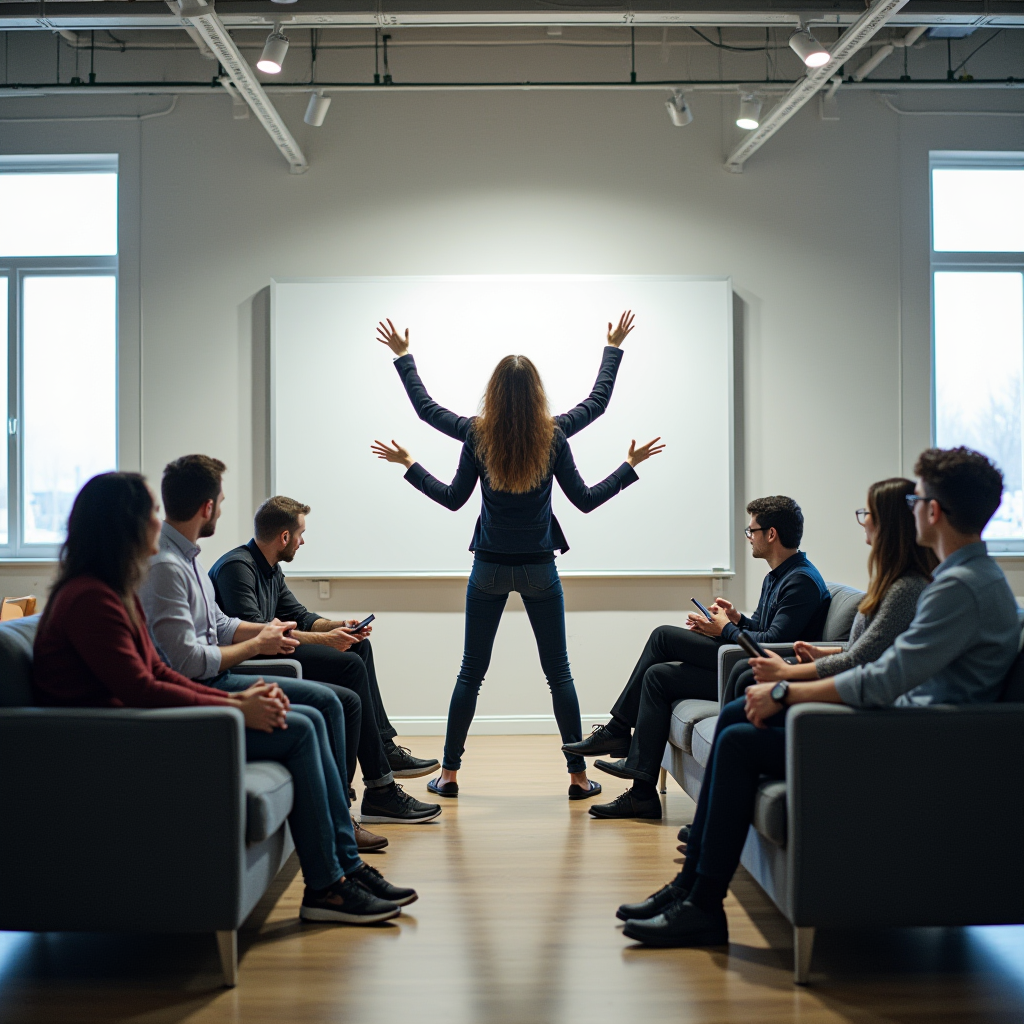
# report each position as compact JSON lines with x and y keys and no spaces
{"x":317,"y":109}
{"x":274,"y":51}
{"x":678,"y":109}
{"x":808,"y":49}
{"x":283,"y":1}
{"x":750,"y":112}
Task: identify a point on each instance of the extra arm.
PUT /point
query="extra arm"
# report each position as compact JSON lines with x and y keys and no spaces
{"x":585,"y":498}
{"x":440,"y":418}
{"x":594,"y":405}
{"x":454,"y":495}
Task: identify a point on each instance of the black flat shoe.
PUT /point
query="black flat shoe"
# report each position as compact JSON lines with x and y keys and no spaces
{"x":600,"y":741}
{"x":684,"y":834}
{"x":627,"y":806}
{"x":579,"y":793}
{"x":448,"y":789}
{"x":616,"y":768}
{"x":681,"y":924}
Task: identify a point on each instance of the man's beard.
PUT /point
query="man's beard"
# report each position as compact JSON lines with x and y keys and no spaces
{"x":287,"y":555}
{"x":209,"y":528}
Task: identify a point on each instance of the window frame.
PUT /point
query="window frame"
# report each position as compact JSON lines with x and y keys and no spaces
{"x":967,"y":262}
{"x":15,"y":269}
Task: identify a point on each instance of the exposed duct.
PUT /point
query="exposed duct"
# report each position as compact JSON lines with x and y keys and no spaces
{"x":879,"y":55}
{"x":201,"y":16}
{"x":845,"y":47}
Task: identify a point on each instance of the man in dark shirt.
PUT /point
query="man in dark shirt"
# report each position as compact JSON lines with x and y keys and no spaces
{"x":681,"y":663}
{"x":250,"y":585}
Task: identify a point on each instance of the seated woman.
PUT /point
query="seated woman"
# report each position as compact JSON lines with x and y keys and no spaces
{"x":899,"y":569}
{"x":93,"y":649}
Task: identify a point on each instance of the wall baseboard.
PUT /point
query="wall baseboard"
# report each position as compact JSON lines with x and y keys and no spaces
{"x":489,"y":725}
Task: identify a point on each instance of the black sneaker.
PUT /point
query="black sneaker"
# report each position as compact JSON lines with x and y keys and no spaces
{"x":346,"y":901}
{"x":652,"y":906}
{"x":377,"y":885}
{"x":391,"y":804}
{"x":404,"y":766}
{"x":600,"y":741}
{"x":628,"y":806}
{"x":681,"y":924}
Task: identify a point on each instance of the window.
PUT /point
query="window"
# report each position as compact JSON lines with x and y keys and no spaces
{"x":977,"y":261}
{"x":58,"y":325}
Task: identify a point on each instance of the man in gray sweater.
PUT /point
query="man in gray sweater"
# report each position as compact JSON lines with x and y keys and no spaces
{"x":957,"y":650}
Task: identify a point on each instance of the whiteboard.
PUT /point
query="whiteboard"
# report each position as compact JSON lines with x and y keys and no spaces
{"x":333,"y":390}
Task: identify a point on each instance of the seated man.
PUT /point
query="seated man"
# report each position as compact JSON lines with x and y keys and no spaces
{"x":681,"y":663}
{"x":201,"y":642}
{"x":957,"y":650}
{"x":250,"y":584}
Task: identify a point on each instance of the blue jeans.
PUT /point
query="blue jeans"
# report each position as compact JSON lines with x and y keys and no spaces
{"x":740,"y":755}
{"x":310,"y":694}
{"x":319,"y":819}
{"x":486,"y":594}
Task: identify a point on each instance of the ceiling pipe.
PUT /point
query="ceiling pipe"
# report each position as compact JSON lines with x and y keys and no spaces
{"x":876,"y":58}
{"x":201,"y":16}
{"x":845,"y":47}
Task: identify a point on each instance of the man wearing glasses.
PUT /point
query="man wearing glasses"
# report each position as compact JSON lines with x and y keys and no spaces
{"x":681,"y":662}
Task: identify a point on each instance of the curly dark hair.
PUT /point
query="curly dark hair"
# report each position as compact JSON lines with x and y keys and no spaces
{"x":965,"y":483}
{"x":781,"y":512}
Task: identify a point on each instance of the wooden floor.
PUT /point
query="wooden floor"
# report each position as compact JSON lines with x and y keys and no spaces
{"x":515,"y":925}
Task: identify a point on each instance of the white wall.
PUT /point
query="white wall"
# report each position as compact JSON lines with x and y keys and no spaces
{"x":817,"y":234}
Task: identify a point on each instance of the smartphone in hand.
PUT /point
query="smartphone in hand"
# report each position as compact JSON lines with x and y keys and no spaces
{"x":703,"y":610}
{"x":362,"y":625}
{"x":750,"y":645}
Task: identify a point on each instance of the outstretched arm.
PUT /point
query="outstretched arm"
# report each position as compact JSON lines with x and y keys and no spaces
{"x":427,"y":409}
{"x":585,"y":498}
{"x":454,"y":495}
{"x":573,"y":421}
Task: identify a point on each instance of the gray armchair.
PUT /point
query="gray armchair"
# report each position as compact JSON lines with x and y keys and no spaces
{"x":858,"y":832}
{"x":116,"y":819}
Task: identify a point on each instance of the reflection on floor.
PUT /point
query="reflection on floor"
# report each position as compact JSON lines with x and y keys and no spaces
{"x":515,"y":924}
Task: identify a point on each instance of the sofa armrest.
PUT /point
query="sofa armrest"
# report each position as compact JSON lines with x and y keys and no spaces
{"x":121,"y":819}
{"x":905,"y":816}
{"x":271,"y":667}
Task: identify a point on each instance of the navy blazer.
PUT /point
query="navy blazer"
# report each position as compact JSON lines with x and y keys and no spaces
{"x":516,"y":523}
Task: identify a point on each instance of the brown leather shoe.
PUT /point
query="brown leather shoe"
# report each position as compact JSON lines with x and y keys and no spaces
{"x":366,"y":841}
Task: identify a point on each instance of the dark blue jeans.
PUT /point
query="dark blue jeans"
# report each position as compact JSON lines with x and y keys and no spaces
{"x":740,"y":755}
{"x":486,"y":594}
{"x":319,"y":819}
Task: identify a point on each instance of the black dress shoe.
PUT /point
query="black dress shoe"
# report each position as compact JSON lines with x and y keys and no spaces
{"x":616,"y":768}
{"x":684,"y":834}
{"x":681,"y":924}
{"x":579,"y":793}
{"x":627,"y":806}
{"x":600,"y":741}
{"x":447,"y":789}
{"x":653,"y":905}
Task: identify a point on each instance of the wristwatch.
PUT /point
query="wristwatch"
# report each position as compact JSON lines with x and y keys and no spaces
{"x":780,"y":692}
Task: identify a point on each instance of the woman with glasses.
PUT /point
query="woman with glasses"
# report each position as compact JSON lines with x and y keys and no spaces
{"x":898,"y":569}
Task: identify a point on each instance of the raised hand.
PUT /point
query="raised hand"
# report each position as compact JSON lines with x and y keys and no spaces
{"x":397,"y":454}
{"x":644,"y":452}
{"x":617,"y":335}
{"x":387,"y":335}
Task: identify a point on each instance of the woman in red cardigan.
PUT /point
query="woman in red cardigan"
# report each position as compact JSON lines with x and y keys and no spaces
{"x":93,"y":649}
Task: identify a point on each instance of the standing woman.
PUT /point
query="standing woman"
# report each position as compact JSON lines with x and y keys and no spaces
{"x":515,"y":448}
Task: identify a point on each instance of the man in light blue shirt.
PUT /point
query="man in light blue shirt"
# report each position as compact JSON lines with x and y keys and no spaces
{"x":957,"y":650}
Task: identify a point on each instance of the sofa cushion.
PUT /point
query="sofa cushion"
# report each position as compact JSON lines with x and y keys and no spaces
{"x":685,"y":715}
{"x":16,"y":639}
{"x":841,"y":612}
{"x":268,"y":799}
{"x":701,"y":738}
{"x":770,"y":811}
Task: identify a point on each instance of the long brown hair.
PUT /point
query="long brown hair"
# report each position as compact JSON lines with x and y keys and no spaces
{"x":894,"y":551}
{"x":515,"y":429}
{"x":108,"y":536}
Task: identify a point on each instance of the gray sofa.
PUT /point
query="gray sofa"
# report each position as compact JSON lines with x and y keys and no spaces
{"x":905,"y":817}
{"x":115,"y":819}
